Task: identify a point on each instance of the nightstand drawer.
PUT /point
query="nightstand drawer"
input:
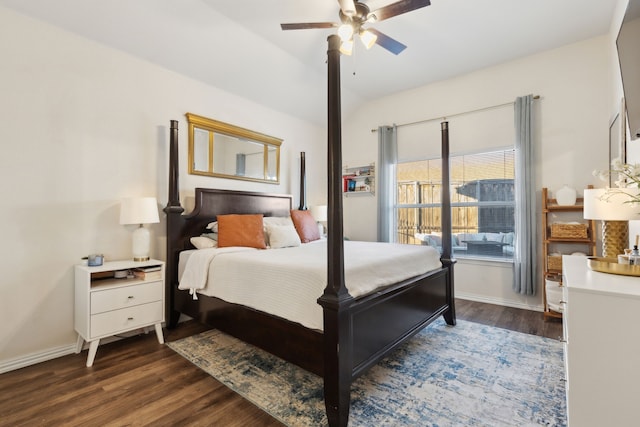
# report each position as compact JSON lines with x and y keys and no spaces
{"x":125,"y":319}
{"x":128,"y":296}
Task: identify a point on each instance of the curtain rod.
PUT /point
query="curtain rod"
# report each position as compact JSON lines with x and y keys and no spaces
{"x":457,"y":114}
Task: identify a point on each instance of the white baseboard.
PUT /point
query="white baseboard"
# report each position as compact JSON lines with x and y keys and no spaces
{"x":43,"y":356}
{"x":53,"y":353}
{"x":499,"y":301}
{"x":38,"y":357}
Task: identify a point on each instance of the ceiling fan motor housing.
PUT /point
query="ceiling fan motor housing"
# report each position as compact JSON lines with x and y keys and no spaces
{"x":361,"y":16}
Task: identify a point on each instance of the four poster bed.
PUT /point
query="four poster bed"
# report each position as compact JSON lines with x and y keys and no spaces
{"x":355,"y":332}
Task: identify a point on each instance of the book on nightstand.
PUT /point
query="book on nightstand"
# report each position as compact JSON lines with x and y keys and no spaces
{"x":148,"y":273}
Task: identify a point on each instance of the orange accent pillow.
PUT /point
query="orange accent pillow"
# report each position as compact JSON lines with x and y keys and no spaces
{"x":241,"y":230}
{"x":305,"y":226}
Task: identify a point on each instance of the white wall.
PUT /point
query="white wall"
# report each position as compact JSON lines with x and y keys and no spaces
{"x":571,"y":136}
{"x":83,"y":126}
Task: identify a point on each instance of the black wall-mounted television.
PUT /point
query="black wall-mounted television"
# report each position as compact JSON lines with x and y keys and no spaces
{"x":628,"y":45}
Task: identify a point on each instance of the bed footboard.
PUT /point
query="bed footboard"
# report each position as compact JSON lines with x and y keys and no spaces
{"x":383,"y":321}
{"x":359,"y":333}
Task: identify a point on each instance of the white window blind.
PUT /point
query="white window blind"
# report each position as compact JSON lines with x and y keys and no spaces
{"x":472,"y":132}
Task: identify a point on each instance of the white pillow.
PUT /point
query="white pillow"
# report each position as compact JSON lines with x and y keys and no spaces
{"x":213,"y":226}
{"x":201,"y":242}
{"x":274,"y":220}
{"x":277,"y":220}
{"x":283,"y":236}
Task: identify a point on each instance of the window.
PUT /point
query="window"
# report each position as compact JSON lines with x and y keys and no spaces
{"x":482,"y":200}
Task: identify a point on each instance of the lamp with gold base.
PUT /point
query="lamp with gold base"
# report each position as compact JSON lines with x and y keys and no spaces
{"x":613,"y":208}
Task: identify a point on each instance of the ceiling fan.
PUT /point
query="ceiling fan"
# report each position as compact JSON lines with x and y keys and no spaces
{"x":354,"y":15}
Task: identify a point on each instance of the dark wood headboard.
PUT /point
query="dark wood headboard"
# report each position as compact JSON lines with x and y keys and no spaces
{"x":209,"y":203}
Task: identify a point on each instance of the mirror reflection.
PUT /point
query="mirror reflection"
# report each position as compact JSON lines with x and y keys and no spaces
{"x":227,"y":151}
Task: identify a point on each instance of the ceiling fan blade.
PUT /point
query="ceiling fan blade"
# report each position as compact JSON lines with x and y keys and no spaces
{"x":387,"y":42}
{"x":398,"y":8}
{"x":308,"y":25}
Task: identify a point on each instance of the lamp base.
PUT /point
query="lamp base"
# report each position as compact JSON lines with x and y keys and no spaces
{"x":141,"y":242}
{"x":615,"y":238}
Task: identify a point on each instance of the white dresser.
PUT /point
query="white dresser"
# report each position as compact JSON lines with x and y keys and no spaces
{"x":602,"y":346}
{"x":106,"y":304}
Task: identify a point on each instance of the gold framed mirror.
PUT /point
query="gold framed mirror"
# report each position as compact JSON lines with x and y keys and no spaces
{"x":226,"y":151}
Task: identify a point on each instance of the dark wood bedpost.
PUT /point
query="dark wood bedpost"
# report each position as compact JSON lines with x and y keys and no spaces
{"x":174,"y":212}
{"x":335,"y":301}
{"x":303,"y":183}
{"x":446,"y":258}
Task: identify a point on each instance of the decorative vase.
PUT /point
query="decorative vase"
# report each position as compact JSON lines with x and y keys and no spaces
{"x":566,"y":196}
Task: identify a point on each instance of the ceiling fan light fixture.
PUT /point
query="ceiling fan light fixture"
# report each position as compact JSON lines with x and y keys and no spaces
{"x":367,"y":38}
{"x":345,"y":31}
{"x":346,"y":47}
{"x":348,"y":7}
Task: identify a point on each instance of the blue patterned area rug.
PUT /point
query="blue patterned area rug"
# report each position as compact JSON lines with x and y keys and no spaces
{"x":466,"y":375}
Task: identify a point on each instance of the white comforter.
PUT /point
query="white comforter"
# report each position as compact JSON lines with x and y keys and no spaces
{"x":287,"y":282}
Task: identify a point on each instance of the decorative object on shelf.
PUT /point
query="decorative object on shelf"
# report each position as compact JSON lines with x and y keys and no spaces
{"x":121,"y":274}
{"x":634,"y":256}
{"x":319,"y":213}
{"x":142,"y":210}
{"x":566,"y":196}
{"x":569,"y":230}
{"x":95,"y":260}
{"x":615,"y":207}
{"x":359,"y":180}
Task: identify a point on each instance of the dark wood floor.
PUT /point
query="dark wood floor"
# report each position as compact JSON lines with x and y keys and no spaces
{"x":138,"y":382}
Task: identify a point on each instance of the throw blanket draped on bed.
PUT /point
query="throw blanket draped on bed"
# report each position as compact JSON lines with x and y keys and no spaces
{"x":287,"y":282}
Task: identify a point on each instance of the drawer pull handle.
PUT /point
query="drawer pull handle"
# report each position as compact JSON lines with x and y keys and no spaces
{"x":129,"y":318}
{"x":130,"y":297}
{"x":562,"y":302}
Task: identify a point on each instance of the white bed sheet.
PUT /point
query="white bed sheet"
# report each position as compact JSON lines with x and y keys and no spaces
{"x":287,"y":282}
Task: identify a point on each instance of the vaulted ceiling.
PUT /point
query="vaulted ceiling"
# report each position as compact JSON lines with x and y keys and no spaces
{"x":238,"y":46}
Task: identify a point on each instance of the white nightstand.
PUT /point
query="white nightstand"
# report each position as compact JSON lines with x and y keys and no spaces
{"x":106,"y":305}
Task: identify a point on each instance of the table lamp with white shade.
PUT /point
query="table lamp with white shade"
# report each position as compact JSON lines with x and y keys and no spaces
{"x":319,"y":213}
{"x":613,"y":208}
{"x":141,"y":210}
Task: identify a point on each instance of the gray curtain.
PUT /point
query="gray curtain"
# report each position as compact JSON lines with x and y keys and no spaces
{"x":525,"y":254}
{"x":387,"y":159}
